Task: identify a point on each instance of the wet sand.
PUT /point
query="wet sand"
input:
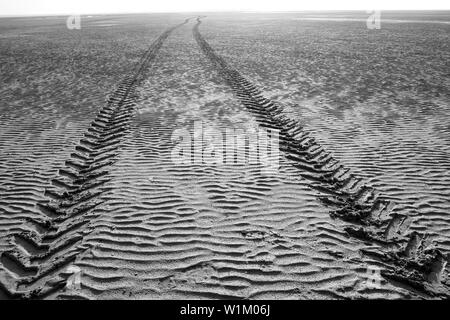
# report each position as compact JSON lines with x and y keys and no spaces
{"x":141,"y":226}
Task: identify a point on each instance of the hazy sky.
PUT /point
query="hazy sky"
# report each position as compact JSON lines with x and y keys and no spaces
{"x":38,"y":7}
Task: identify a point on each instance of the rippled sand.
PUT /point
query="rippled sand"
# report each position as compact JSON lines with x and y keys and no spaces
{"x":164,"y":230}
{"x":379,"y":103}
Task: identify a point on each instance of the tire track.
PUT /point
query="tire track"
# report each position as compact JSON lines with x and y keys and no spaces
{"x":40,"y":254}
{"x":409,"y":259}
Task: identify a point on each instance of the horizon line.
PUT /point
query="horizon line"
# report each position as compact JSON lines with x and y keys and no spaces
{"x":30,"y":15}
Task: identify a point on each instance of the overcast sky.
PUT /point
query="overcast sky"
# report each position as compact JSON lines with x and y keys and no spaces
{"x":40,"y":7}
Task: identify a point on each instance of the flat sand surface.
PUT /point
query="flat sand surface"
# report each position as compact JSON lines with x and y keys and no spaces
{"x":137,"y":225}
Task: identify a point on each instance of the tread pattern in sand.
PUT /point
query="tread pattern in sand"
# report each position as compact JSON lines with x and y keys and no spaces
{"x":409,"y":258}
{"x":52,"y":242}
{"x":196,"y":231}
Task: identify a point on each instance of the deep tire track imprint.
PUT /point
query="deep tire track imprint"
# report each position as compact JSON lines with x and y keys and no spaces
{"x":408,"y":258}
{"x":41,"y":254}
